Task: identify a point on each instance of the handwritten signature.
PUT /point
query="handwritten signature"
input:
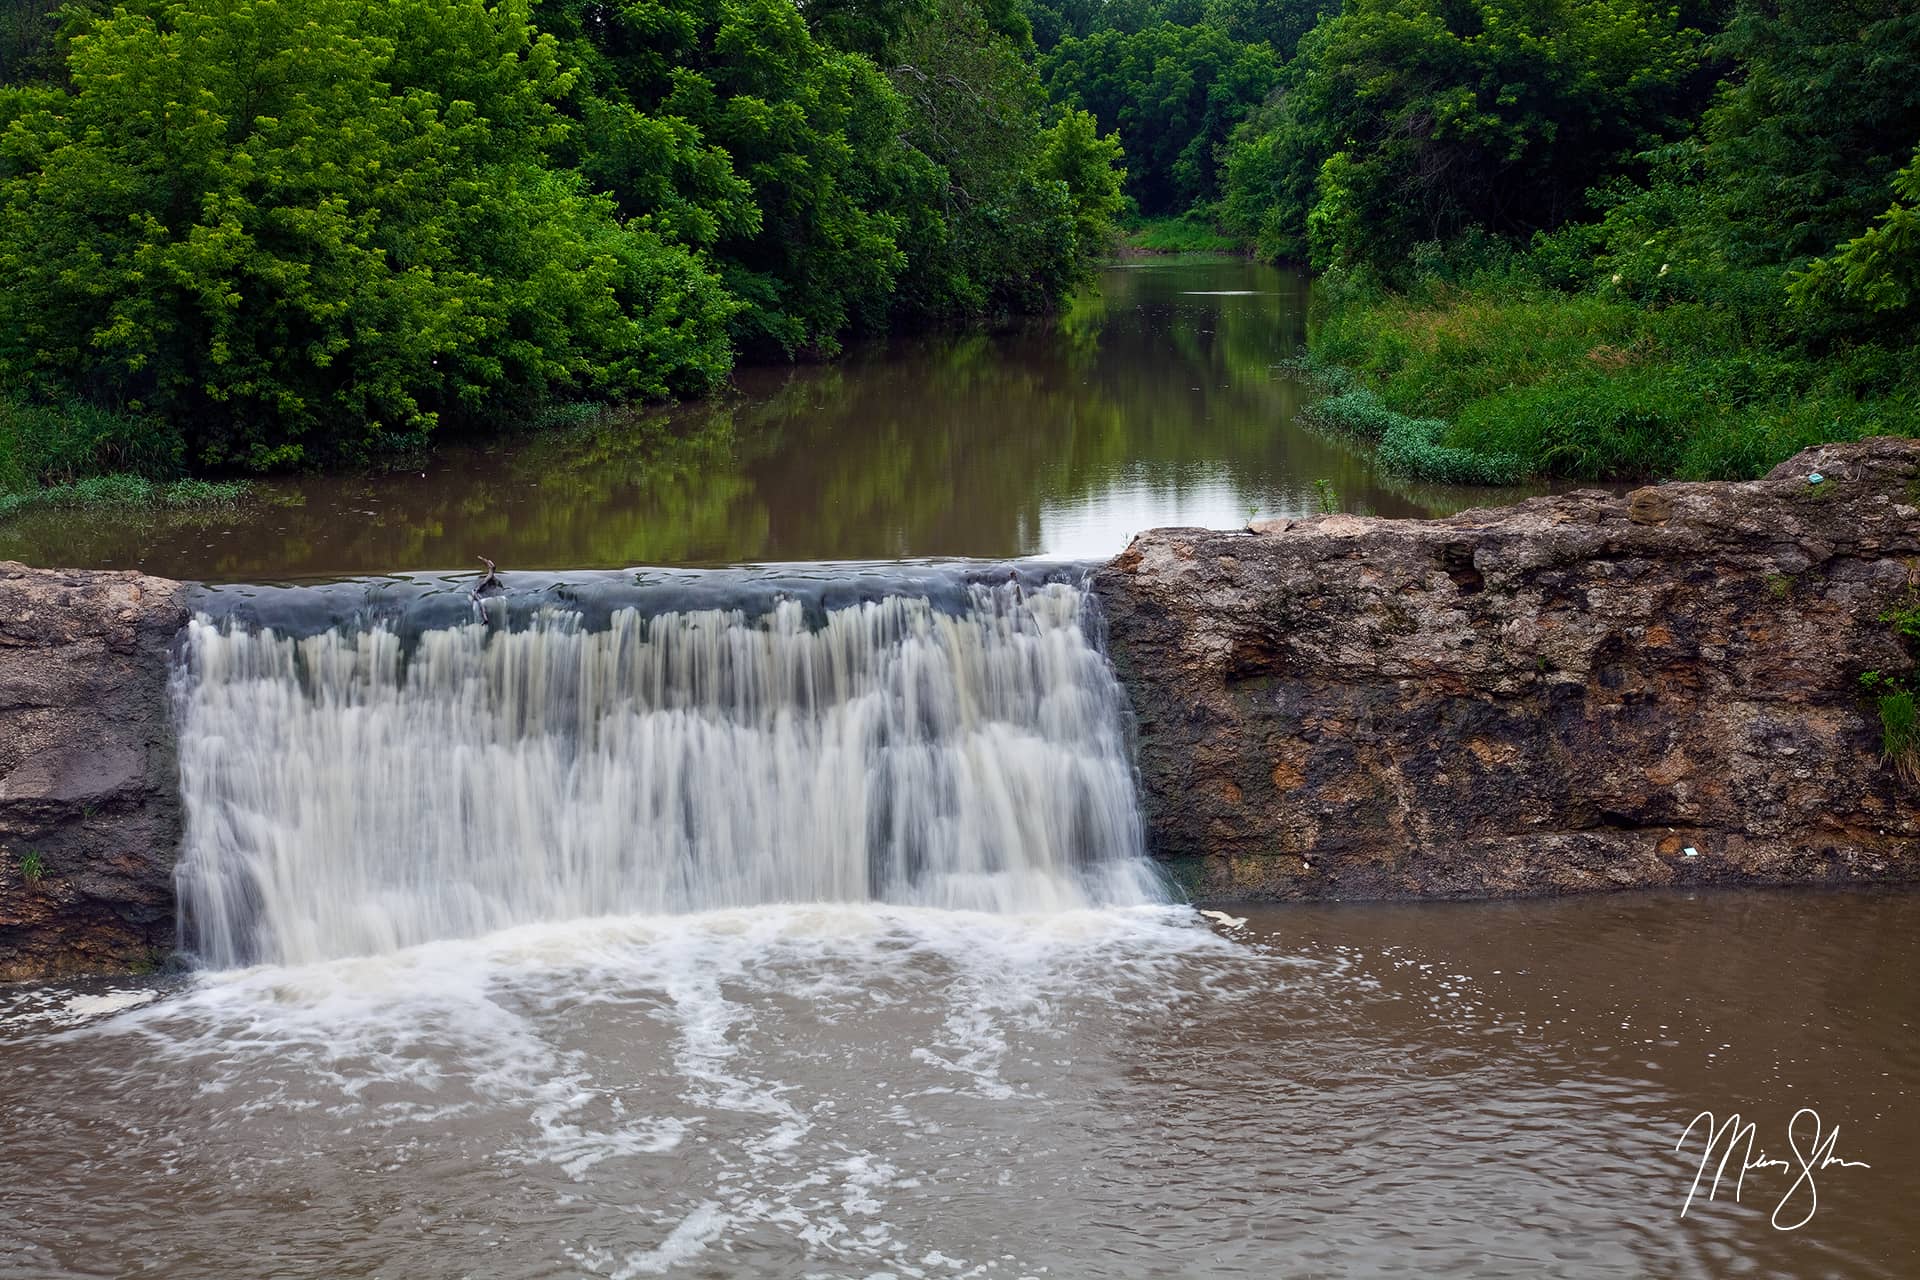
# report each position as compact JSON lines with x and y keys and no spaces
{"x":1735,"y":1135}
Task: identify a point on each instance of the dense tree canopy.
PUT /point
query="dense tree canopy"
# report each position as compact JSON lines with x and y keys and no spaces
{"x":1414,"y":120}
{"x":1173,"y":92}
{"x":237,"y":222}
{"x":280,"y":231}
{"x":1879,"y":270}
{"x":1823,"y":110}
{"x":254,"y":233}
{"x":730,"y":125}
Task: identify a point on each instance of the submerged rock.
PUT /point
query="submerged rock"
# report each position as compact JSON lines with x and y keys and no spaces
{"x":89,"y":802}
{"x":1567,"y":694}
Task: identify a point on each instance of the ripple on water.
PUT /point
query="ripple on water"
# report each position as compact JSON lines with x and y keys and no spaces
{"x":858,"y":1090}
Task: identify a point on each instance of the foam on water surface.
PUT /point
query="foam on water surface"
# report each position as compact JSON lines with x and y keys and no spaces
{"x":385,"y":781}
{"x":742,"y":1076}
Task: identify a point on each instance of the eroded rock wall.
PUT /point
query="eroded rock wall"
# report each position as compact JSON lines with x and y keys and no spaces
{"x":89,"y":798}
{"x":1568,"y":694}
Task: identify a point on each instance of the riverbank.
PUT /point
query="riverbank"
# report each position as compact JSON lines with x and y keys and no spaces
{"x":1502,"y":378}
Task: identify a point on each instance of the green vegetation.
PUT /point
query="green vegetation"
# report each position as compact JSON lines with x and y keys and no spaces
{"x":32,"y":867}
{"x":1900,"y":733}
{"x":1893,"y":693}
{"x":1552,"y":246}
{"x":1173,"y":92}
{"x":1325,"y":497}
{"x":1585,"y":238}
{"x":119,"y":489}
{"x":243,"y":235}
{"x":1606,"y":239}
{"x":1178,"y":234}
{"x":1591,"y":387}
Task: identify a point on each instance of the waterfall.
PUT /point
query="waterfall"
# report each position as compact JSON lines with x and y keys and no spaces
{"x":373,"y":785}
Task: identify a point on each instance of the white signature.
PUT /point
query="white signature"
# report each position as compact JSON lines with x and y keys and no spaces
{"x":1736,"y":1135}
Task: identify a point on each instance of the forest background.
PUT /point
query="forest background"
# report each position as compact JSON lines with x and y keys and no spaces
{"x":1582,"y":238}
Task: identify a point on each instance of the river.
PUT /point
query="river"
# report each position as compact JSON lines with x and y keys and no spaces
{"x":722,"y":920}
{"x":1157,"y":399}
{"x":1370,"y":1090}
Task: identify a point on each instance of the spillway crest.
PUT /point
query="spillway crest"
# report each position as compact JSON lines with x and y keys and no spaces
{"x":405,"y":775}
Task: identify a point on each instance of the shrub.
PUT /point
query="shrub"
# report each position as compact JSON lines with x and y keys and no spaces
{"x":1412,"y":448}
{"x":351,"y":236}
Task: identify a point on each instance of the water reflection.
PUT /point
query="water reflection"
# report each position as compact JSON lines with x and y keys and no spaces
{"x":1155,"y":399}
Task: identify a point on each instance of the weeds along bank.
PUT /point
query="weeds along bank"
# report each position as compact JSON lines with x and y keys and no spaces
{"x":1497,"y":379}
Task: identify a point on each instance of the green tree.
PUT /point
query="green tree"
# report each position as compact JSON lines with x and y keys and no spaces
{"x":1877,"y":272}
{"x":1795,"y":155}
{"x":29,"y":51}
{"x":727,"y":124}
{"x":1822,"y":112}
{"x":1089,"y":166}
{"x":1279,"y":23}
{"x":1174,"y":93}
{"x":304,"y":229}
{"x":1267,"y":175}
{"x":1416,"y":120}
{"x":992,"y":232}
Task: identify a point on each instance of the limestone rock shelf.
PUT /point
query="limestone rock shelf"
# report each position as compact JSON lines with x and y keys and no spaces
{"x":1576,"y":693}
{"x":1579,"y":692}
{"x":89,"y":802}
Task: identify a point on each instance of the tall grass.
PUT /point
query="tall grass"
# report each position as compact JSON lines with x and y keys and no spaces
{"x":1900,"y":733}
{"x":126,"y":491}
{"x":55,"y":444}
{"x":80,"y":456}
{"x":1183,"y":233}
{"x":1584,"y":386}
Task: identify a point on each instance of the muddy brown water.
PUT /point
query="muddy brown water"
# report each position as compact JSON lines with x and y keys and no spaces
{"x":864,"y":1089}
{"x":1362,"y":1090}
{"x":1156,"y":399}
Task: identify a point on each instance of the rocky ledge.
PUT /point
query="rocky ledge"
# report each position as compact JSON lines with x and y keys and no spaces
{"x":89,"y":801}
{"x":1579,"y":692}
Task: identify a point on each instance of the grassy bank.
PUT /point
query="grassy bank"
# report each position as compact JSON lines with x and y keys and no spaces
{"x":1182,"y":234}
{"x":1495,"y":380}
{"x":80,"y":457}
{"x":123,"y":491}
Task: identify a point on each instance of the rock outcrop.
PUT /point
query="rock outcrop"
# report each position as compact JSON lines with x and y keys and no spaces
{"x":1578,"y":692}
{"x":89,"y":799}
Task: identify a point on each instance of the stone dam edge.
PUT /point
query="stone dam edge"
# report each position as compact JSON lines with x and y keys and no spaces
{"x":1576,"y":693}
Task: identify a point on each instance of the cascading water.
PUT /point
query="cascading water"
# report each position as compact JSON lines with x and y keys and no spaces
{"x":393,"y":779}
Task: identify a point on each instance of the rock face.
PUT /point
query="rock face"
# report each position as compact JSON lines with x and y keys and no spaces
{"x":1579,"y":692}
{"x":89,"y":799}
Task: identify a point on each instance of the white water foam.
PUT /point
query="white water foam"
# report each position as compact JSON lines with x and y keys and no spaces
{"x":349,"y":795}
{"x":693,"y":1063}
